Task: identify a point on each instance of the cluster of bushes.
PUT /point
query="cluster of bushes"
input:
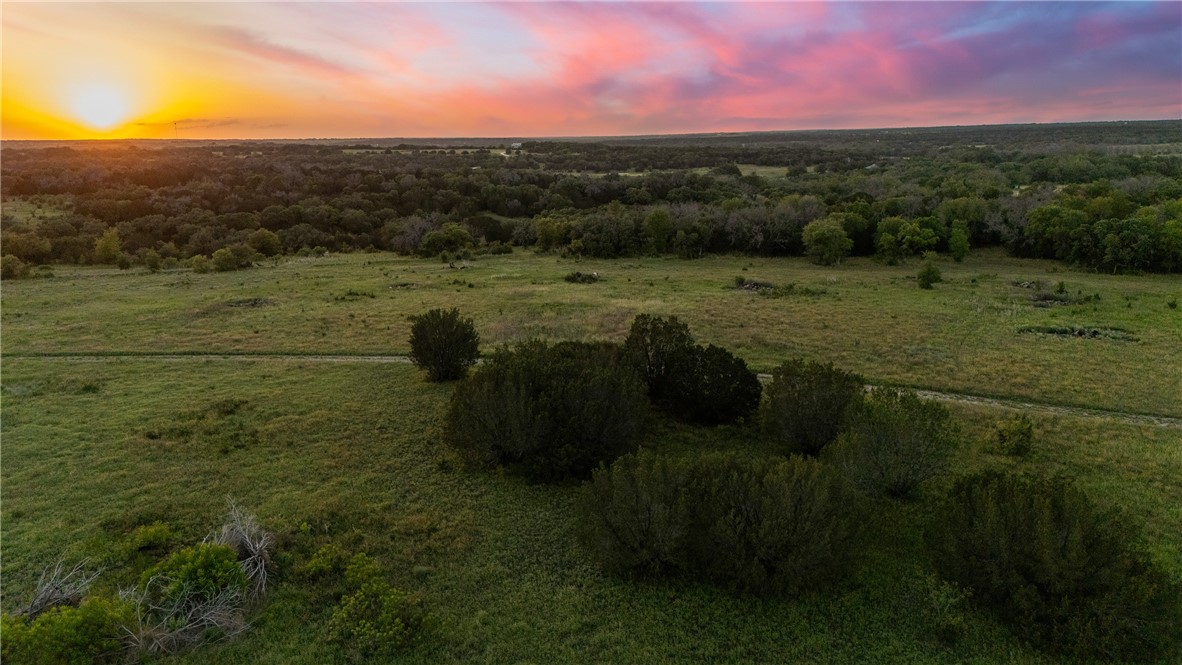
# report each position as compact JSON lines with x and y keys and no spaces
{"x":1064,"y":574}
{"x":703,"y":384}
{"x":766,"y":526}
{"x":196,"y":595}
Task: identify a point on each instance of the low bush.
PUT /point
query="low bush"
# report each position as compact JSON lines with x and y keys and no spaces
{"x":711,"y":386}
{"x":444,"y":344}
{"x":636,"y":515}
{"x":893,"y":441}
{"x":783,"y":526}
{"x":806,"y":404}
{"x":233,"y":257}
{"x":708,"y":384}
{"x":652,"y":345}
{"x":199,"y":264}
{"x":582,"y":277}
{"x":1015,"y":436}
{"x":199,"y":572}
{"x":67,"y":635}
{"x":11,"y":267}
{"x":374,"y":619}
{"x":550,"y":413}
{"x":928,"y":275}
{"x":1061,"y":572}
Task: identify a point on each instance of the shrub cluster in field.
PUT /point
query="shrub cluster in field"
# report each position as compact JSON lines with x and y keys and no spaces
{"x":196,"y":595}
{"x":769,"y":526}
{"x":1062,"y":573}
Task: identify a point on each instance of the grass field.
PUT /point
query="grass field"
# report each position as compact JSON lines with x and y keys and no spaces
{"x":352,"y":453}
{"x":963,"y":336}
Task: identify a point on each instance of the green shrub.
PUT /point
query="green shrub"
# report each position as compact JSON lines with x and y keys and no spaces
{"x":943,"y":605}
{"x":581,"y":277}
{"x":781,"y":526}
{"x":233,"y":257}
{"x":451,"y":237}
{"x":711,"y":386}
{"x":151,"y":259}
{"x":652,"y":345}
{"x":958,"y":241}
{"x":928,"y":275}
{"x":1061,"y":572}
{"x":893,"y":441}
{"x":373,"y":618}
{"x":636,"y":515}
{"x":65,"y":635}
{"x":199,"y":264}
{"x":806,"y":404}
{"x":444,"y":344}
{"x":265,"y":242}
{"x":199,"y":573}
{"x":785,"y":526}
{"x":12,"y":267}
{"x":1015,"y":436}
{"x":826,"y":241}
{"x":550,"y":413}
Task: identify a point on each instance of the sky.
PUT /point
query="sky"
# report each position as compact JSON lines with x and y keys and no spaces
{"x":525,"y":69}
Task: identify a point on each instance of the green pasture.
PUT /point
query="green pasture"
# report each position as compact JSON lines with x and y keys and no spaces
{"x":970,"y":334}
{"x":351,"y":454}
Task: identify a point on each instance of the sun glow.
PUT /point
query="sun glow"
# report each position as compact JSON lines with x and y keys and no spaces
{"x":100,"y":105}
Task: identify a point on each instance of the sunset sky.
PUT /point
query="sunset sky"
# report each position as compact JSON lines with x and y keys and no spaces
{"x":284,"y":70}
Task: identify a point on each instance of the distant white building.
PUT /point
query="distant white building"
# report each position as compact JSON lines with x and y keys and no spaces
{"x":515,"y":146}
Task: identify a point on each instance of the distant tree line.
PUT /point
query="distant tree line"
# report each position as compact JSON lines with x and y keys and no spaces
{"x":1086,"y":201}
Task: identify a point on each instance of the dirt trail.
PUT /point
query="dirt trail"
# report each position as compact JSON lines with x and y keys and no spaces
{"x":996,"y":402}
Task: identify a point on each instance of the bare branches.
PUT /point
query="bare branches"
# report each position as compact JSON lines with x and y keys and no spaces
{"x":243,"y":533}
{"x":184,"y":622}
{"x":58,"y":586}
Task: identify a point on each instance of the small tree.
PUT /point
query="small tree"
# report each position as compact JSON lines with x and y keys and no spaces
{"x":1060,"y":571}
{"x":652,"y":345}
{"x":550,"y":413}
{"x":783,"y":526}
{"x":893,"y":441}
{"x":1015,"y":436}
{"x":109,"y":248}
{"x":636,"y":516}
{"x":711,"y":386}
{"x":265,"y":242}
{"x":928,"y":275}
{"x":826,"y":241}
{"x":806,"y":404}
{"x":12,"y":267}
{"x":444,"y":344}
{"x":958,"y":242}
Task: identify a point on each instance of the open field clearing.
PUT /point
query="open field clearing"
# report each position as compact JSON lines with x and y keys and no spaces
{"x":979,"y":332}
{"x":351,"y":454}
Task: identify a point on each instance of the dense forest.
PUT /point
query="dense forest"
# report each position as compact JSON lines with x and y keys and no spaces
{"x":1102,"y":196}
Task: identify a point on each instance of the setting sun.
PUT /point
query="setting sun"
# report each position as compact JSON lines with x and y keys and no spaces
{"x":99,"y":105}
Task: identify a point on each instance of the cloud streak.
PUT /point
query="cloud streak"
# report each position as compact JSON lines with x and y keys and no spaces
{"x":615,"y":68}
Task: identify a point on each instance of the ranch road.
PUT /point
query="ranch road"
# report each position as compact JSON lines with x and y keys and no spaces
{"x":996,"y":402}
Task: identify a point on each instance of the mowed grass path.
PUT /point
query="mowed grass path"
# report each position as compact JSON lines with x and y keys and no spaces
{"x":963,"y":336}
{"x":351,"y":454}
